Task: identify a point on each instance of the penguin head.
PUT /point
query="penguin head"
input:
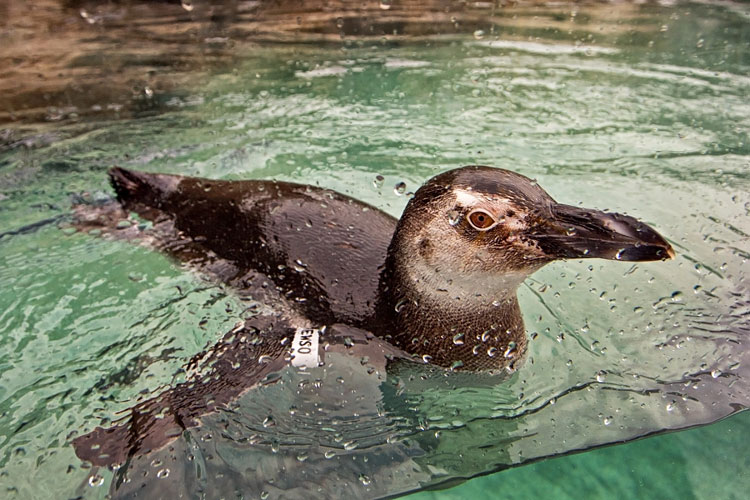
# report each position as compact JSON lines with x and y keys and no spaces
{"x":478,"y":232}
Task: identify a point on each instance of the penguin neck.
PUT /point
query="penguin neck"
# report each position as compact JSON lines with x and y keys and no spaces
{"x":456,"y":321}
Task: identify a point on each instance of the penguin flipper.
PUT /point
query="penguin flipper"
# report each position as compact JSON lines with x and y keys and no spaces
{"x":237,"y":363}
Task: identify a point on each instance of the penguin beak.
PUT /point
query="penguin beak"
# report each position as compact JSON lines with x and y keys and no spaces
{"x":576,"y":233}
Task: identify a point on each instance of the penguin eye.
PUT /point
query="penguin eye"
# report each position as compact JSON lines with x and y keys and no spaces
{"x":481,"y":220}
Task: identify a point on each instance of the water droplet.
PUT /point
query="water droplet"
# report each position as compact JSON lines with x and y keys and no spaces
{"x":716,"y":373}
{"x":458,"y":339}
{"x":187,"y":5}
{"x":364,"y":480}
{"x":618,"y":255}
{"x":96,"y":480}
{"x":509,"y":352}
{"x":670,"y":406}
{"x":607,"y":420}
{"x":269,"y":422}
{"x":454,"y":217}
{"x":264,"y":359}
{"x":400,"y":305}
{"x":399,"y":188}
{"x":426,"y":358}
{"x":148,"y":91}
{"x":456,"y":365}
{"x":601,"y":376}
{"x":479,"y":34}
{"x":350,"y":445}
{"x":378,"y":182}
{"x":162,"y":473}
{"x":302,"y":456}
{"x":663,"y":28}
{"x":491,"y":352}
{"x":329,"y":454}
{"x":339,"y":22}
{"x":700,"y":43}
{"x":385,"y":4}
{"x":88,"y":17}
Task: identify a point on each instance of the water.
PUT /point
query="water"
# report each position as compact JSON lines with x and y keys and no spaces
{"x":638,"y":109}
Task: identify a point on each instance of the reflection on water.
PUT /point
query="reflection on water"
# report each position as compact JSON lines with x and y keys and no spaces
{"x":71,"y":60}
{"x":635,"y":108}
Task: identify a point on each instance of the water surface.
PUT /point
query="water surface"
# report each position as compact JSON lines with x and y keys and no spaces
{"x":636,"y":109}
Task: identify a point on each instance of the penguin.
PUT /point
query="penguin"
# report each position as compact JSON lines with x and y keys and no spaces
{"x":438,"y":286}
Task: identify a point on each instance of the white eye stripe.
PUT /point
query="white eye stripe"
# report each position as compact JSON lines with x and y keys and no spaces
{"x":484,"y":212}
{"x":466,"y":198}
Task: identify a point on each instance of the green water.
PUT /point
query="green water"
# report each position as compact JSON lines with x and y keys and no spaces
{"x":650,"y":119}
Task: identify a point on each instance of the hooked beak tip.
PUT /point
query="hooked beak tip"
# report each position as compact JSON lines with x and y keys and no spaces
{"x":670,"y":253}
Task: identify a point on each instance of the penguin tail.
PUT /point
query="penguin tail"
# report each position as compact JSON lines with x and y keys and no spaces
{"x":130,"y":186}
{"x":142,"y":191}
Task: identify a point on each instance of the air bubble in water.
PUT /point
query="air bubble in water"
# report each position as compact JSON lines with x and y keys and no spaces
{"x":96,"y":480}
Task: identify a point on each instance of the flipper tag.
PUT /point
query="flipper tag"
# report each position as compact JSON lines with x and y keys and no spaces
{"x":305,"y":348}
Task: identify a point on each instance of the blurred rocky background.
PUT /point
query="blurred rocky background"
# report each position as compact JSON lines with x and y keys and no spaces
{"x":66,"y":60}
